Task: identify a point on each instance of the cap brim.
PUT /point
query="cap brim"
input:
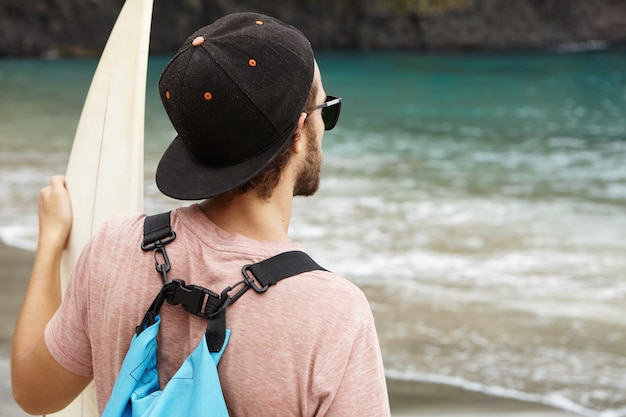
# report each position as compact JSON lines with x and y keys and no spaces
{"x":182,"y":176}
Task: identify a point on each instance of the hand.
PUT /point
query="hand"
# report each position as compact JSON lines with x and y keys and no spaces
{"x":55,"y":214}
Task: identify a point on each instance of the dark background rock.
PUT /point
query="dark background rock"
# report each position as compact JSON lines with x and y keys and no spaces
{"x":81,"y":27}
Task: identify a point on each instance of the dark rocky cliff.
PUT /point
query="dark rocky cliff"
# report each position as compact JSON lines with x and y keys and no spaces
{"x":80,"y":27}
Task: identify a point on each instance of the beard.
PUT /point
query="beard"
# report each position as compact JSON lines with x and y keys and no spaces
{"x":308,"y":179}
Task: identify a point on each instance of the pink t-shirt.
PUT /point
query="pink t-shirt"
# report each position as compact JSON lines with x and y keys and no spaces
{"x":307,"y":347}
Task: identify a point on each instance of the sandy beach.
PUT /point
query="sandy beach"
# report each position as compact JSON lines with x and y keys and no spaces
{"x":407,"y":398}
{"x":13,"y":280}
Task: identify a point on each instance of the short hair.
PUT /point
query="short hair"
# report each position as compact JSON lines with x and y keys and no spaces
{"x":265,"y":182}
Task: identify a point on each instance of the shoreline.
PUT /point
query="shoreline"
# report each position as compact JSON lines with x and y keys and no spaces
{"x":408,"y":398}
{"x":14,"y":275}
{"x":425,"y":399}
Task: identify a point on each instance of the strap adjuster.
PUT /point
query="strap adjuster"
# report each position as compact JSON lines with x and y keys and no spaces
{"x":250,"y":281}
{"x":163,"y":240}
{"x":157,"y":231}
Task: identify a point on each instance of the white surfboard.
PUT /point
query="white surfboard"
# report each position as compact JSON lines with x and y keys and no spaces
{"x":105,"y":169}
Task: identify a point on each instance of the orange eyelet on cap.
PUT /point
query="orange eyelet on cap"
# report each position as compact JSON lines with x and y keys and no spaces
{"x":167,"y":94}
{"x":252,"y":62}
{"x":259,"y":22}
{"x":208,"y":96}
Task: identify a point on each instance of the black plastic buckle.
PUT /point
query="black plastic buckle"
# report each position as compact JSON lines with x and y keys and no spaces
{"x":250,"y":280}
{"x":196,"y":300}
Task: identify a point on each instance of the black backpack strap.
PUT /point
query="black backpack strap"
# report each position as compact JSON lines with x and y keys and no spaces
{"x":156,"y":228}
{"x":205,"y":303}
{"x":281,"y":266}
{"x":267,"y":272}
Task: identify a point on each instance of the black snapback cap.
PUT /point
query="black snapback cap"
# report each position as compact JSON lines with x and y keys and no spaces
{"x":234,"y":92}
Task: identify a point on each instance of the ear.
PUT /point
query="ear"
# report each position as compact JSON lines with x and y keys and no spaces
{"x":298,"y":145}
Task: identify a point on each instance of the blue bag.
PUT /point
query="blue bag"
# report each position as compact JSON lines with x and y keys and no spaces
{"x":194,"y":390}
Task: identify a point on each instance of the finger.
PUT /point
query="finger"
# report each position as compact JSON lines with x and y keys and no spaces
{"x":57,"y":181}
{"x":44,"y":192}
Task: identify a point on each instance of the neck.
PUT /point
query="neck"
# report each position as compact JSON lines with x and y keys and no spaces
{"x":250,"y":216}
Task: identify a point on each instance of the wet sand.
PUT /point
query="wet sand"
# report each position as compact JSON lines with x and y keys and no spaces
{"x":14,"y":274}
{"x":407,"y":398}
{"x":412,"y":399}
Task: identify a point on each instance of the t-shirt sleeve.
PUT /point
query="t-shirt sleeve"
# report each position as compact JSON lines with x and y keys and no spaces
{"x":353,"y":381}
{"x":67,"y":333}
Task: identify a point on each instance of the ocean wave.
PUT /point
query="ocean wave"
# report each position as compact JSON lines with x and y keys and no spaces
{"x":20,"y":237}
{"x":584,"y":46}
{"x":553,"y":399}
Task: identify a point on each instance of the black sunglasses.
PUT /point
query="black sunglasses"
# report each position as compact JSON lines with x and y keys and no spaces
{"x":330,"y":111}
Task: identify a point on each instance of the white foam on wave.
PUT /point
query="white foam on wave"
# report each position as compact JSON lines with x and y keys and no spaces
{"x":19,"y":237}
{"x":552,"y":399}
{"x":583,"y":46}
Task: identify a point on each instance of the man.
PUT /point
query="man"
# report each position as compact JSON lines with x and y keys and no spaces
{"x":246,"y":98}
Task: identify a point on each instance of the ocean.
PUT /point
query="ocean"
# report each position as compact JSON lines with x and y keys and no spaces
{"x":479,"y":200}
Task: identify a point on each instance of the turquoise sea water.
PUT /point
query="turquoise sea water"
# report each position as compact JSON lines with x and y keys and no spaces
{"x":478,"y":200}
